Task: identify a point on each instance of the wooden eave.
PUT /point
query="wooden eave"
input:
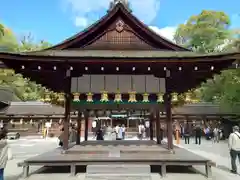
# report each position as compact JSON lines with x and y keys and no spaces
{"x":119,"y":10}
{"x":106,"y":56}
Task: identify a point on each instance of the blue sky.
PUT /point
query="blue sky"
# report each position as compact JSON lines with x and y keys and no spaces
{"x":56,"y":20}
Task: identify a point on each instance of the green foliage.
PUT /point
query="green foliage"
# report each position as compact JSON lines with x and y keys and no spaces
{"x":224,"y":89}
{"x":205,"y":32}
{"x":1,"y":31}
{"x":23,"y":88}
{"x":208,"y":32}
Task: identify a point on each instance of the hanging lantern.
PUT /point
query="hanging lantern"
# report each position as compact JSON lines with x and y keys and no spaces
{"x":174,"y":97}
{"x":160,"y":97}
{"x":132,"y":97}
{"x":104,"y":96}
{"x":89,"y":97}
{"x":145,"y":97}
{"x":47,"y":97}
{"x":61,"y":97}
{"x":118,"y":97}
{"x":76,"y":97}
{"x":188,"y":97}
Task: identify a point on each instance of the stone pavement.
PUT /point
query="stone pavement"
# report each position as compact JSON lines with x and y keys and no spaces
{"x":206,"y":149}
{"x":217,"y":152}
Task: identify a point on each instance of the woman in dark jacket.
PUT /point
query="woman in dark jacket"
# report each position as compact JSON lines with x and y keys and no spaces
{"x":99,"y":134}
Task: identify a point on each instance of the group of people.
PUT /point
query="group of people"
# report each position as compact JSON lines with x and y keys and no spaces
{"x":117,"y":133}
{"x":215,"y":134}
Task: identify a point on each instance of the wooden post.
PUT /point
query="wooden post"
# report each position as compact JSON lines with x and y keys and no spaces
{"x":79,"y":123}
{"x":151,"y":119}
{"x":67,"y":109}
{"x":158,"y":126}
{"x":167,"y":103}
{"x":86,"y":116}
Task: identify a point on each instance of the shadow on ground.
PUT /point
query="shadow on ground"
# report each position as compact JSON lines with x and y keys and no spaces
{"x":82,"y":169}
{"x":174,"y":169}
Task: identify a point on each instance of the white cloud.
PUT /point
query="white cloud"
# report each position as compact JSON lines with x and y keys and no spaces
{"x":81,"y":21}
{"x":145,"y":10}
{"x":167,"y":32}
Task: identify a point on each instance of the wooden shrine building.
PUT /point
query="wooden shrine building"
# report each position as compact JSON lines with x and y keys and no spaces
{"x":118,"y":63}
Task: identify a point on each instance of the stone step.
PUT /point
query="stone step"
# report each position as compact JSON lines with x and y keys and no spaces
{"x":118,"y":177}
{"x":118,"y":169}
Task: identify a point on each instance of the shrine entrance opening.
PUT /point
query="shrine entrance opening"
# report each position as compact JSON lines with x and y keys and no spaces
{"x":134,"y":124}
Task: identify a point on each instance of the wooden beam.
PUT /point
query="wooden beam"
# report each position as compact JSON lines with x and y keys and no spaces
{"x":68,"y":101}
{"x":86,"y":117}
{"x":79,"y":123}
{"x":169,"y":122}
{"x":158,"y":126}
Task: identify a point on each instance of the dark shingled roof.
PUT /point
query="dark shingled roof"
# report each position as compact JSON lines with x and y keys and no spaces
{"x":7,"y":95}
{"x":33,"y":108}
{"x":127,"y":54}
{"x":201,"y":109}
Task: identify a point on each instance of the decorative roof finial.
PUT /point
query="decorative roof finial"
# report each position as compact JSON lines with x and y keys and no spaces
{"x":113,"y":3}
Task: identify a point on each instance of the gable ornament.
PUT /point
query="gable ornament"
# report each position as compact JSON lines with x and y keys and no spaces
{"x":119,"y":26}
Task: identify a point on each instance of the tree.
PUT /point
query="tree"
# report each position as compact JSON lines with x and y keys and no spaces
{"x":1,"y":31}
{"x":205,"y":32}
{"x":27,"y":44}
{"x":234,"y":42}
{"x":23,"y":88}
{"x":208,"y":32}
{"x":223,"y":89}
{"x":8,"y":42}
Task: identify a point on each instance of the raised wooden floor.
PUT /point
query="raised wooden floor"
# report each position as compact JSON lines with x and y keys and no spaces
{"x":118,"y":152}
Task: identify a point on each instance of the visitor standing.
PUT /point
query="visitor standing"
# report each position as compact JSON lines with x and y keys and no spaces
{"x":99,"y":135}
{"x":234,"y":147}
{"x":5,"y":154}
{"x":73,"y":134}
{"x":187,"y":133}
{"x":123,"y":131}
{"x":61,"y":137}
{"x":141,"y":130}
{"x":216,"y":135}
{"x":198,"y":134}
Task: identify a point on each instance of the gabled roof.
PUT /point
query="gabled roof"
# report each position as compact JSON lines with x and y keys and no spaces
{"x":7,"y":95}
{"x":119,"y":11}
{"x":33,"y":108}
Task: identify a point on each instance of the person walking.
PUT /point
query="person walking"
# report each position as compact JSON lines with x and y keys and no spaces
{"x":73,"y":135}
{"x":216,"y":135}
{"x":99,"y":135}
{"x":61,"y":137}
{"x":187,"y":133}
{"x":123,"y":131}
{"x":198,"y":134}
{"x":5,"y":154}
{"x":234,"y":147}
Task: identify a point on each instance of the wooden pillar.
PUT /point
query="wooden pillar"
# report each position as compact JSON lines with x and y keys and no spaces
{"x":67,"y":109}
{"x":151,"y":119}
{"x":79,"y":124}
{"x":169,"y":122}
{"x":86,"y":117}
{"x":158,"y":126}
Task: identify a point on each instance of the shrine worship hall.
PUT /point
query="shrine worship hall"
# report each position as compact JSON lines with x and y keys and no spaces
{"x":118,"y":63}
